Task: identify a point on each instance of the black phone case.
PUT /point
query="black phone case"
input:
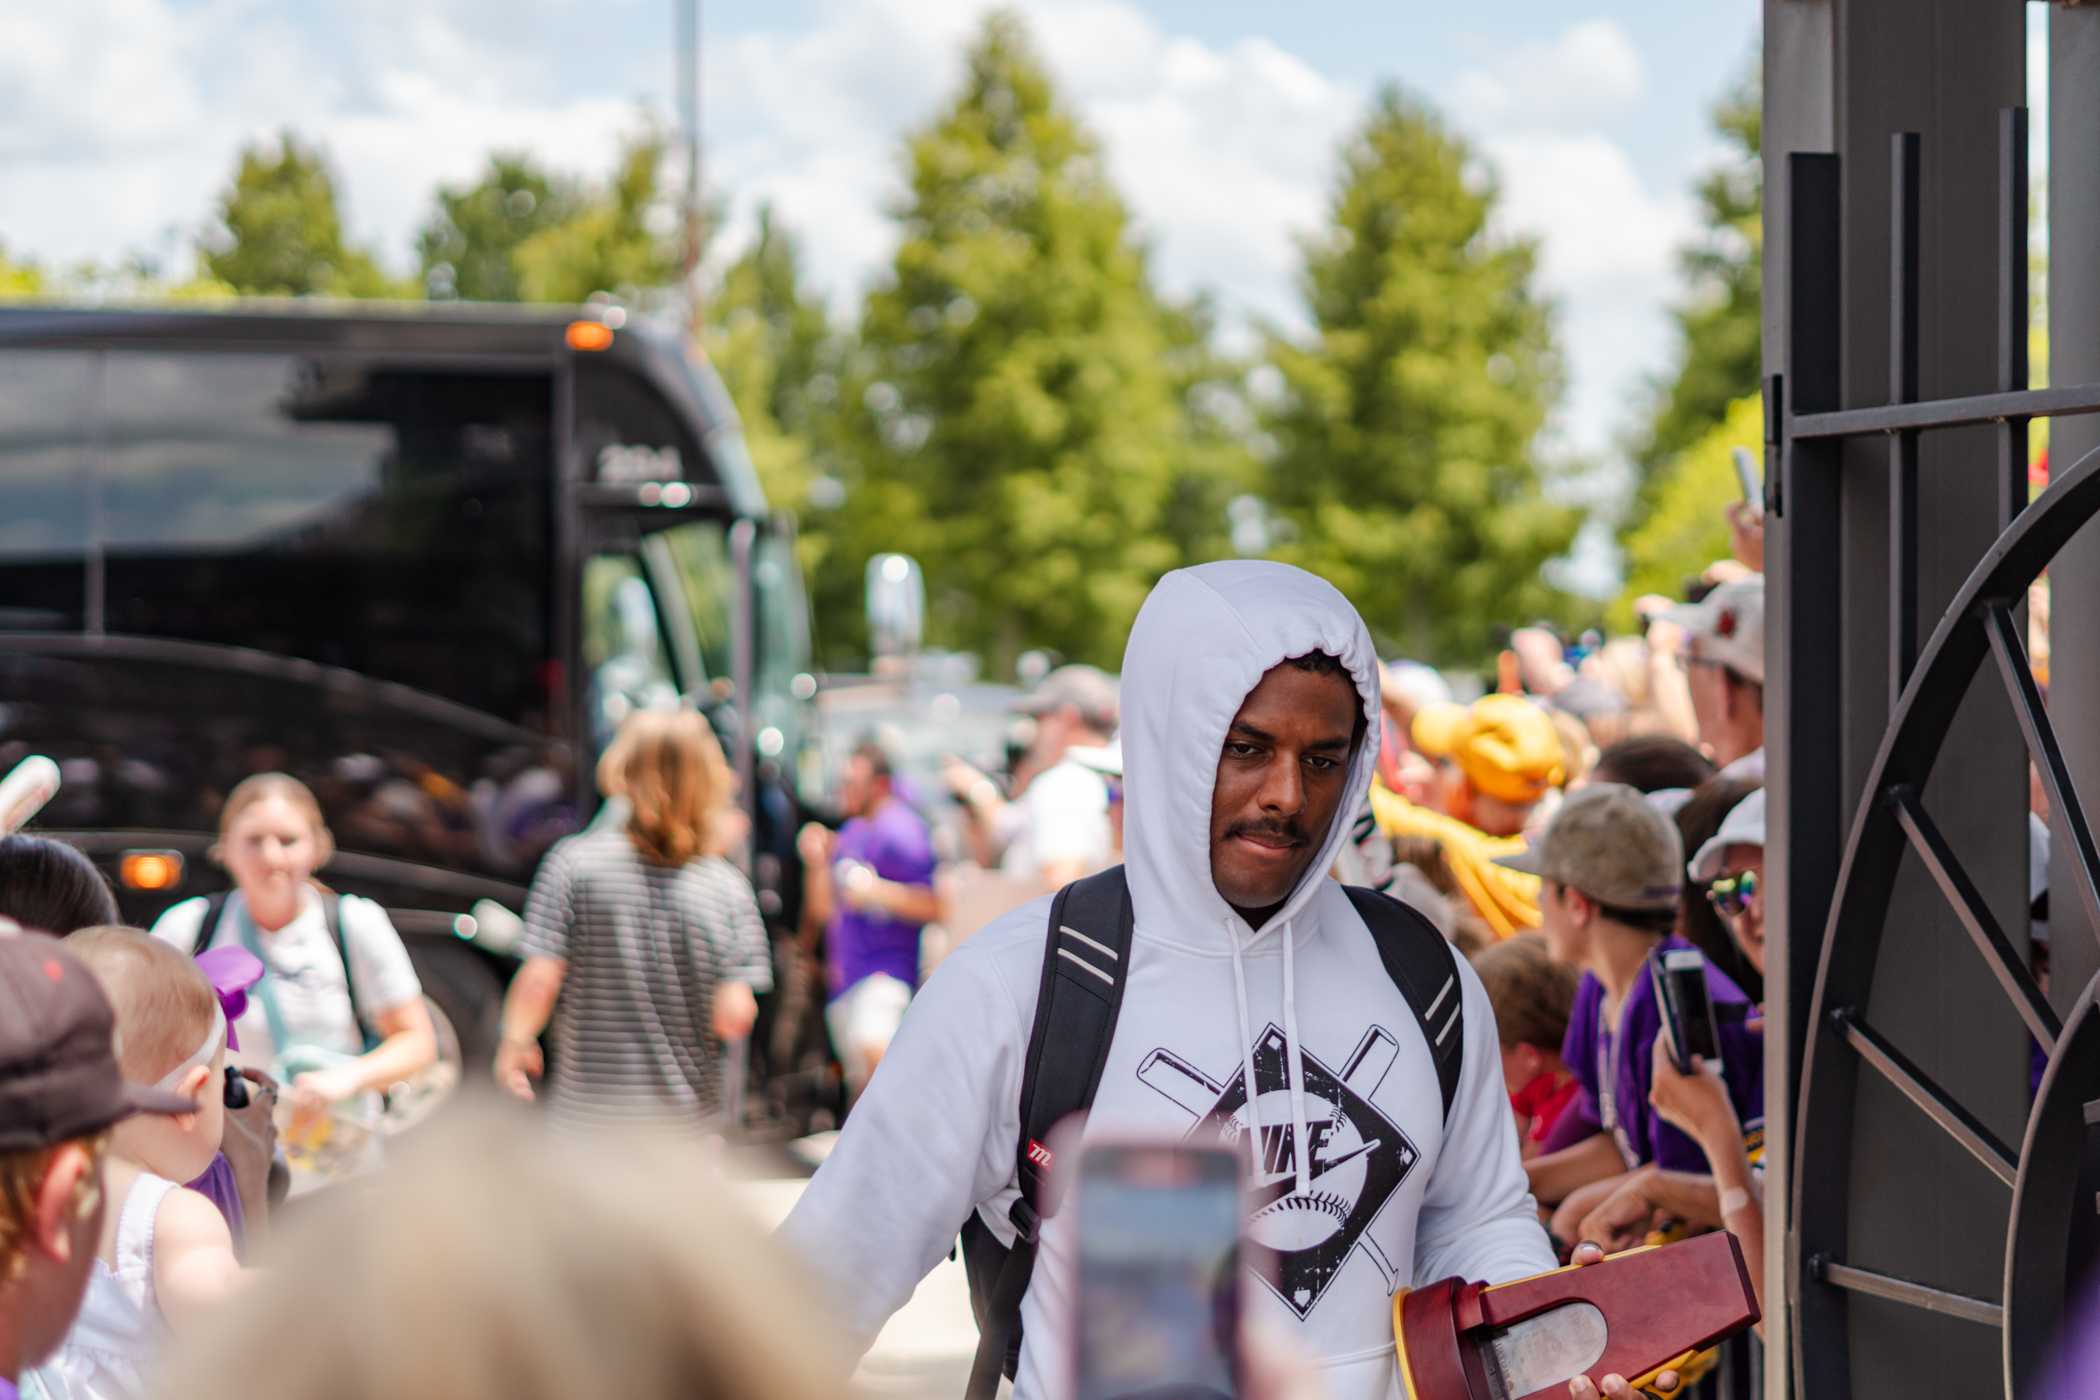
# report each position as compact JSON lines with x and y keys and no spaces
{"x":1687,"y":1013}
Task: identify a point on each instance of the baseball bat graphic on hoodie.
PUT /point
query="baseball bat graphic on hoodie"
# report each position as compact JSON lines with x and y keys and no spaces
{"x":1359,"y":1184}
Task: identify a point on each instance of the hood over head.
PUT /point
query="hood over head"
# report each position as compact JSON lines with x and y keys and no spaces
{"x":1204,"y":639}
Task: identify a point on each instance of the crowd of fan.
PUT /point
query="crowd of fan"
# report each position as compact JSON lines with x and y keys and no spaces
{"x":1600,"y":805}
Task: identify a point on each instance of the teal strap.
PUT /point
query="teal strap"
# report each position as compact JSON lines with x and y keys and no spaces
{"x":262,"y":991}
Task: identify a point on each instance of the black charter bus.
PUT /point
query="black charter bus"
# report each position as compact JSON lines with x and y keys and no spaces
{"x":424,"y":559}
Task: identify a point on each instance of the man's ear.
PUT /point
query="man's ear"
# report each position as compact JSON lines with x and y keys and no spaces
{"x":56,"y":1203}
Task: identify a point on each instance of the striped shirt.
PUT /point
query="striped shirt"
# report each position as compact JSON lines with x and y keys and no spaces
{"x":645,"y":946}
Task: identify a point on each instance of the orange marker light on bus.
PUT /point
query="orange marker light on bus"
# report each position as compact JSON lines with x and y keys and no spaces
{"x":150,"y":870}
{"x":589,"y":335}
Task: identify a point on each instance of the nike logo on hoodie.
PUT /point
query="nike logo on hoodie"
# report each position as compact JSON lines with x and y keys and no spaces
{"x":1360,"y":1185}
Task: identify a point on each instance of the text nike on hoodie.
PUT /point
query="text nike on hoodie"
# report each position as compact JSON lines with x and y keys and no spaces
{"x":1360,"y":1184}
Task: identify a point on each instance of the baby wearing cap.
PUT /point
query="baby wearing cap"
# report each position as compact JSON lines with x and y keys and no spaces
{"x":166,"y":1251}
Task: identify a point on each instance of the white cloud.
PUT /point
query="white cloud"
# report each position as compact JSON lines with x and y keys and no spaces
{"x":1222,"y":152}
{"x":1588,"y":71}
{"x":1608,"y":243}
{"x":119,"y":120}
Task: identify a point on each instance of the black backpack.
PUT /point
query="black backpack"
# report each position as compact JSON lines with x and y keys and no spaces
{"x":1084,"y":960}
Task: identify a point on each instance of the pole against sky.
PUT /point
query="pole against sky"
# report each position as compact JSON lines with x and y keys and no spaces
{"x":1220,"y":121}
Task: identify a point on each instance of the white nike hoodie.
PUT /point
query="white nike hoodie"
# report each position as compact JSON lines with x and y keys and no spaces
{"x":1364,"y":1188}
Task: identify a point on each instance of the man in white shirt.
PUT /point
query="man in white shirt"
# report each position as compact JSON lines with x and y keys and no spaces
{"x":1057,"y":828}
{"x":1724,"y":659}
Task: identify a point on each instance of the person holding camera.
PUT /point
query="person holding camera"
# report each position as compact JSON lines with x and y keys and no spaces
{"x":1611,"y":867}
{"x":1254,"y":1006}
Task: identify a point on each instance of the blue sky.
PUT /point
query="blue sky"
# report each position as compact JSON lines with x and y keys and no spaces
{"x":119,"y":118}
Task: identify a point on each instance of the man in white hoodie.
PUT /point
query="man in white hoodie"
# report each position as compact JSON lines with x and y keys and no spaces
{"x":1250,"y":695}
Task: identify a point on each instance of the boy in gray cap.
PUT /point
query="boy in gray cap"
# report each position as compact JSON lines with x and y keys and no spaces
{"x":61,"y":1091}
{"x":1611,"y":867}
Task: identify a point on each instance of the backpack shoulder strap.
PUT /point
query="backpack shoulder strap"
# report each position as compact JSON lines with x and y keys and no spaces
{"x":332,"y":912}
{"x":1085,"y":963}
{"x":214,"y":907}
{"x":1086,"y":960}
{"x":1424,"y":966}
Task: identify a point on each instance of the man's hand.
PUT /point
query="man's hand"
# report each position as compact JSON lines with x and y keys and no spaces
{"x":1746,"y":535}
{"x":1696,"y":1104}
{"x":249,"y":1142}
{"x":813,"y":844}
{"x":736,"y":1009}
{"x":1623,"y":1220}
{"x":518,"y":1063}
{"x":1612,"y":1387}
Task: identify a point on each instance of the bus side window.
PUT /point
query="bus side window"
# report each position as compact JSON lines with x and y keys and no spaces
{"x":623,"y":646}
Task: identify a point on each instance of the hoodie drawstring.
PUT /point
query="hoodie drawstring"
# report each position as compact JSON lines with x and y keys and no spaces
{"x":1294,"y":1062}
{"x":1296,"y":1069}
{"x":1239,"y":989}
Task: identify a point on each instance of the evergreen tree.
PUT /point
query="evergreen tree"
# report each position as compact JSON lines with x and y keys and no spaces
{"x":1404,"y":435}
{"x":618,"y":240}
{"x":779,"y":356}
{"x":1016,"y":409}
{"x":1720,"y":324}
{"x":19,"y":279}
{"x":1686,"y":527}
{"x":279,"y":231}
{"x":468,"y":247}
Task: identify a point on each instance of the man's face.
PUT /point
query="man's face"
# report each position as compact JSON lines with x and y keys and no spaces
{"x":861,"y":789}
{"x":1281,"y":776}
{"x":1561,"y":921}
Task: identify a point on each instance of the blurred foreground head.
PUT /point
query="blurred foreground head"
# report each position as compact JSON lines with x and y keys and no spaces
{"x":492,"y":1260}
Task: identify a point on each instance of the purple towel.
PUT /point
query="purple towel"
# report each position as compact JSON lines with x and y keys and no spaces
{"x":217,"y":1183}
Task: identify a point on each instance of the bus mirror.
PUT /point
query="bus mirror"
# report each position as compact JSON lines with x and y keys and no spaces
{"x":896,"y":605}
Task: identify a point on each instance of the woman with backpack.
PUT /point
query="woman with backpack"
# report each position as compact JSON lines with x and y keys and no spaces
{"x":339,"y":1014}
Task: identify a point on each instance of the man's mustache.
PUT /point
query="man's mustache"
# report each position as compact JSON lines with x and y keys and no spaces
{"x":1281,"y":831}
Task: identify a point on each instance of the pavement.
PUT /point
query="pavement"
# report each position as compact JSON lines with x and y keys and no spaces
{"x":927,"y":1346}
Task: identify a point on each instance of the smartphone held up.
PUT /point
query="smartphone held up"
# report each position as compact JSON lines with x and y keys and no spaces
{"x":1161,"y":1276}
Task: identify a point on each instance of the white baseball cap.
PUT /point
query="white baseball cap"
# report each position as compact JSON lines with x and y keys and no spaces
{"x":1728,"y":626}
{"x":1743,"y":826}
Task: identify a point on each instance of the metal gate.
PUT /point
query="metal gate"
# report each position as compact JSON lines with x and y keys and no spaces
{"x":2041,"y":1192}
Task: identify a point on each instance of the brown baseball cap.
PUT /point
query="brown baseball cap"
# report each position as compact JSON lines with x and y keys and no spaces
{"x":59,"y":1078}
{"x":1610,"y":842}
{"x":1087,"y":689}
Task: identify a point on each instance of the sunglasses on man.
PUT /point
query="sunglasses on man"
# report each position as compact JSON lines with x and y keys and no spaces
{"x":1732,"y":894}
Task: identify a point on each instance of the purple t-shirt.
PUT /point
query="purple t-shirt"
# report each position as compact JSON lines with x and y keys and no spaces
{"x":1616,"y":1065}
{"x":219,"y":1187}
{"x":896,"y":845}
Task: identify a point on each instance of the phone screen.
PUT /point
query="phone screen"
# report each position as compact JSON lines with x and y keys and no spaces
{"x":1159,"y":1273}
{"x":1746,"y":476}
{"x":1688,"y":1008}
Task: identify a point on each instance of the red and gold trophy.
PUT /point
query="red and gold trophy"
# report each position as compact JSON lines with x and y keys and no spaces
{"x":1635,"y":1314}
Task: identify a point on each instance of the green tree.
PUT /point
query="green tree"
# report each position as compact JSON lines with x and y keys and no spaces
{"x":19,"y":279}
{"x":779,"y":356}
{"x":468,"y":247}
{"x":1015,"y":409}
{"x":1404,"y":433}
{"x":1686,"y":527}
{"x":279,"y":231}
{"x":619,"y":240}
{"x":1720,"y":323}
